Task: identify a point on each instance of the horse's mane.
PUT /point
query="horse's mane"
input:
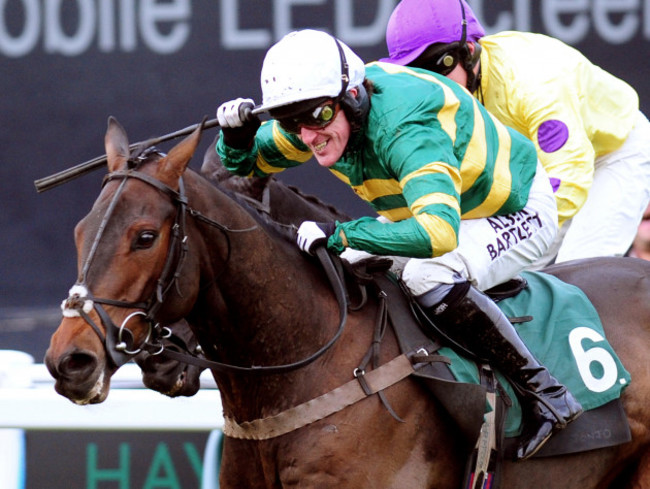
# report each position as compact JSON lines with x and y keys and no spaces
{"x":264,"y":197}
{"x":320,"y":203}
{"x":259,"y":213}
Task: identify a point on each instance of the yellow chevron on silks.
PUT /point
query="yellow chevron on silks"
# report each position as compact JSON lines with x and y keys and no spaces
{"x":500,"y":192}
{"x":287,"y":148}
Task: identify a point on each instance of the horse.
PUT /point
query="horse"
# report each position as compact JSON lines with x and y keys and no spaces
{"x":268,"y":314}
{"x":284,"y":204}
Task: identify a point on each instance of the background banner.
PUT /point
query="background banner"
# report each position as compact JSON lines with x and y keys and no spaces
{"x":161,"y":65}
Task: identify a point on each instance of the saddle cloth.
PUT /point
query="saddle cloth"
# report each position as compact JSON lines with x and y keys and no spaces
{"x":566,"y":335}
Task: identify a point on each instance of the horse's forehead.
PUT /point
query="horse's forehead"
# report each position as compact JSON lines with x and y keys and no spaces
{"x":104,"y":237}
{"x":113,"y":216}
{"x":133,"y":196}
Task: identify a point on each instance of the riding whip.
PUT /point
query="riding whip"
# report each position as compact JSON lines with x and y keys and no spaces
{"x":65,"y":176}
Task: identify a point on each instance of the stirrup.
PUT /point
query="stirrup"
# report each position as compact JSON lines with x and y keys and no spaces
{"x":547,"y":425}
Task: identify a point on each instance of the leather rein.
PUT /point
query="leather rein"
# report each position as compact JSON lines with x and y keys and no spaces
{"x":118,"y":340}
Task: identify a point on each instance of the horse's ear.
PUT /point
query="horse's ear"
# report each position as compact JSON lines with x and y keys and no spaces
{"x":172,"y":166}
{"x":117,"y":145}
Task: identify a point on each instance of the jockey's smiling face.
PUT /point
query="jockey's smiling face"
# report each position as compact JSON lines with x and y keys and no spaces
{"x":324,"y":129}
{"x":328,"y":143}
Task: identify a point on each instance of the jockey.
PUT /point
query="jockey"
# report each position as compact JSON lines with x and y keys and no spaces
{"x":586,"y":125}
{"x":463,"y":203}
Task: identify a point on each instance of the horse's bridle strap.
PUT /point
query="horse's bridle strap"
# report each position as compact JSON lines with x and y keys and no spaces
{"x":329,"y":403}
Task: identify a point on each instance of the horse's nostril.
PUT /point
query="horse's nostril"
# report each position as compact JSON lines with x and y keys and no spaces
{"x":77,"y":363}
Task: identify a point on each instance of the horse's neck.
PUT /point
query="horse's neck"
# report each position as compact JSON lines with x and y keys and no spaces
{"x":274,"y":306}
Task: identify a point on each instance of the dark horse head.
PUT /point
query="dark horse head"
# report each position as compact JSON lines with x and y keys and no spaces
{"x":167,"y":375}
{"x":142,"y":231}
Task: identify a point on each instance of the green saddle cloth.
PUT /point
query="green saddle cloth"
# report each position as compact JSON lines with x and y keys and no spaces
{"x":566,"y":335}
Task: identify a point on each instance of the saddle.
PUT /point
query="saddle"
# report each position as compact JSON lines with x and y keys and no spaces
{"x":603,"y":426}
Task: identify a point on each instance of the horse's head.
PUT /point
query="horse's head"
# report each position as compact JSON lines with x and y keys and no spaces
{"x":130,"y":248}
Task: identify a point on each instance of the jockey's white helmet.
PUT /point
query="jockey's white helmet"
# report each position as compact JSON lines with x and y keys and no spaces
{"x":305,"y":65}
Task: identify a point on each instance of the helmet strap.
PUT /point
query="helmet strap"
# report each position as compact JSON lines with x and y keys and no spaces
{"x":355,"y":108}
{"x":468,"y":59}
{"x":345,"y":72}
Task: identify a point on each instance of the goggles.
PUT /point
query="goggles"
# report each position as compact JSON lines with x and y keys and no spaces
{"x":439,"y":59}
{"x":316,"y":118}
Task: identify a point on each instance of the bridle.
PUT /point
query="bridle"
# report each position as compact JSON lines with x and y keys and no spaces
{"x":118,"y":340}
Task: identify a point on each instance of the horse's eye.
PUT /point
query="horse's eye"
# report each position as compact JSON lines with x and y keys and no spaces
{"x":145,"y":240}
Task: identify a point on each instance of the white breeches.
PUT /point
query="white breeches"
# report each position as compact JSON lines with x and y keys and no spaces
{"x":608,"y":221}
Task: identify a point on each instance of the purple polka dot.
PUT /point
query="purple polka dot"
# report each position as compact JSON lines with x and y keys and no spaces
{"x":555,"y":183}
{"x":552,"y":135}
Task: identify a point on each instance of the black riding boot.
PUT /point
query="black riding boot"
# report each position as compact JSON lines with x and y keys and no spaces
{"x":473,"y":320}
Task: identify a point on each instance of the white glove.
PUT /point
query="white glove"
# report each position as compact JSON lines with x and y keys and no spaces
{"x":312,"y":234}
{"x":231,"y":114}
{"x":238,"y":124}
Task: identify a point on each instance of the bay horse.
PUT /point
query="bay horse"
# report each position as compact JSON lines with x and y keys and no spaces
{"x":255,"y":302}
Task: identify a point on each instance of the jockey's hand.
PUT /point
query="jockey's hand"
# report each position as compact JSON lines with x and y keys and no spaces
{"x":238,"y":123}
{"x":313,"y":234}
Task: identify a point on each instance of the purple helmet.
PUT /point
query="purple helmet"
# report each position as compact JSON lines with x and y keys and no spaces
{"x":416,"y":24}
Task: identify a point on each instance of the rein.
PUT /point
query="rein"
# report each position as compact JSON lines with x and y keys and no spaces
{"x":117,"y":339}
{"x":339,"y":290}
